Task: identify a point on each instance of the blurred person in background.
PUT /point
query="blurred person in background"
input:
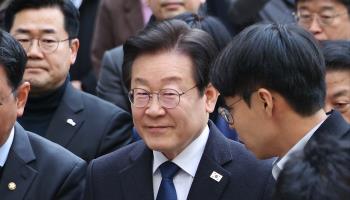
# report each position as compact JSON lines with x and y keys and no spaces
{"x":337,"y":57}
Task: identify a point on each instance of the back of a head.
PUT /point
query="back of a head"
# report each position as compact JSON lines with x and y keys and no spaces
{"x":13,"y":59}
{"x":320,"y":172}
{"x":209,"y":24}
{"x":70,"y":12}
{"x":172,"y":35}
{"x":283,"y":58}
{"x":336,"y":54}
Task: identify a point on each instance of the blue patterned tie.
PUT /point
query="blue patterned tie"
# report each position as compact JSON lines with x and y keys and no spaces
{"x":167,"y":189}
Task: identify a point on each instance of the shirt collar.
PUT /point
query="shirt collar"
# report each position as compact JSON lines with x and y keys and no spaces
{"x":5,"y":148}
{"x":188,"y":160}
{"x":299,"y":146}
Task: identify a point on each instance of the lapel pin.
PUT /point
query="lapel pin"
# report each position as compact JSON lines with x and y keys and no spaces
{"x":11,"y":186}
{"x":71,"y":122}
{"x":216,"y":176}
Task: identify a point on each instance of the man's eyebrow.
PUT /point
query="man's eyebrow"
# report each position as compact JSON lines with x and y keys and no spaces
{"x":340,"y":93}
{"x":45,"y":31}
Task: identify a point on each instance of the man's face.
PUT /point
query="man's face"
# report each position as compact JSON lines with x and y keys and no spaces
{"x":325,"y":19}
{"x":45,"y":71}
{"x":170,"y":130}
{"x":338,"y":92}
{"x":252,"y":126}
{"x":10,"y":106}
{"x":164,"y":9}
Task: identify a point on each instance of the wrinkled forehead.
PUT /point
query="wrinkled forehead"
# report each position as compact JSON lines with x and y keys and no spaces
{"x":320,"y":4}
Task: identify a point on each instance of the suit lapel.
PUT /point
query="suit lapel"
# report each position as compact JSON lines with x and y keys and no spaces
{"x":138,"y":175}
{"x":67,"y":119}
{"x":211,"y":178}
{"x":17,"y":169}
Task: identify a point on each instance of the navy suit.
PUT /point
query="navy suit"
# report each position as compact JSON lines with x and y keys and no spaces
{"x":333,"y":125}
{"x":99,"y":127}
{"x":127,"y":173}
{"x":41,"y":170}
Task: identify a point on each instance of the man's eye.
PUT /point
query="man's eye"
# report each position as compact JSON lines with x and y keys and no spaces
{"x":23,"y":40}
{"x":342,"y":106}
{"x":48,"y":41}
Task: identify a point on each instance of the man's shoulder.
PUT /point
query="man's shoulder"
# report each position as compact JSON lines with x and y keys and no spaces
{"x":98,"y":105}
{"x":51,"y":153}
{"x":120,"y":158}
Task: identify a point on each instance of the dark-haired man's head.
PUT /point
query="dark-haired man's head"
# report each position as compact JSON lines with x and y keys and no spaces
{"x":271,"y":76}
{"x":337,"y":57}
{"x":320,"y":172}
{"x":166,"y":69}
{"x":325,"y":19}
{"x":47,"y":29}
{"x":13,"y":92}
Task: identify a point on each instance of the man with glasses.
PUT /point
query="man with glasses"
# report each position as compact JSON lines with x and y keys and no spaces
{"x":85,"y":125}
{"x":31,"y":167}
{"x":325,"y":19}
{"x":182,"y":154}
{"x":275,"y":96}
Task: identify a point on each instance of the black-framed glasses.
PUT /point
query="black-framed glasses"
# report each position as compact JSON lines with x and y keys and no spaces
{"x":3,"y":99}
{"x":225,"y":112}
{"x":46,"y":45}
{"x":306,"y":19}
{"x":167,"y":98}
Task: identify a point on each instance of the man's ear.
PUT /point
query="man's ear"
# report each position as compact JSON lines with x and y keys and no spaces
{"x":211,"y":96}
{"x":74,"y":47}
{"x":22,"y":96}
{"x":266,"y":100}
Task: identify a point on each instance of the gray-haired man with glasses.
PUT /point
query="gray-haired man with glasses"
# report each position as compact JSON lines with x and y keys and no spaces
{"x":85,"y":125}
{"x":325,"y":19}
{"x":182,"y":155}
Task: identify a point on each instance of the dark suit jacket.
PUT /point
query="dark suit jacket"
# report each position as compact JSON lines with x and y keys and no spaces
{"x":100,"y":127}
{"x":110,"y":85}
{"x":333,"y":125}
{"x":127,"y":173}
{"x":41,"y":170}
{"x":116,"y":21}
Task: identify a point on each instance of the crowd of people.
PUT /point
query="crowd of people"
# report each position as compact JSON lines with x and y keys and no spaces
{"x":175,"y":99}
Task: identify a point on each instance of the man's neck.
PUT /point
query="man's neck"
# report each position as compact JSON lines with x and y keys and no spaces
{"x":295,"y":128}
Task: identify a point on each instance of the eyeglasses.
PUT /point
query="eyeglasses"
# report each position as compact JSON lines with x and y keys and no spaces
{"x":306,"y":19}
{"x":167,"y":98}
{"x":5,"y":98}
{"x":226,"y":114}
{"x":46,"y":45}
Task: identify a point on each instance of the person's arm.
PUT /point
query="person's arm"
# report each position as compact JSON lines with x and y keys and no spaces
{"x":110,"y":86}
{"x":74,"y":185}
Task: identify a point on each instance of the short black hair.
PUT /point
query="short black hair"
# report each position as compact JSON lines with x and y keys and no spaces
{"x":320,"y":172}
{"x":70,"y":13}
{"x":284,"y":58}
{"x":175,"y":35}
{"x":13,"y":59}
{"x":336,"y":54}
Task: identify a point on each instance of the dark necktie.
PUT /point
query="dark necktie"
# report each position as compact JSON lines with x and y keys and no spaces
{"x":167,"y":189}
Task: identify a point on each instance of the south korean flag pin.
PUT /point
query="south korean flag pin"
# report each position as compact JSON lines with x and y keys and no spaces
{"x":216,"y":176}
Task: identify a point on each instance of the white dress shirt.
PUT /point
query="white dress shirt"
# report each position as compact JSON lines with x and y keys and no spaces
{"x":187,"y":160}
{"x":279,"y":163}
{"x":5,"y":148}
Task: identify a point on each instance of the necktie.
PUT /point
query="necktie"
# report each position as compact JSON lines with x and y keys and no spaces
{"x":167,"y":189}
